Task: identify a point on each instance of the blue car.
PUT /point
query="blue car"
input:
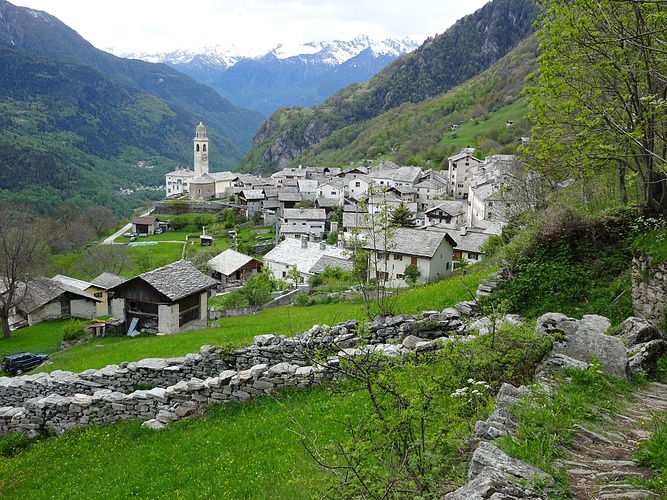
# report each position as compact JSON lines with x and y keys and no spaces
{"x":16,"y":364}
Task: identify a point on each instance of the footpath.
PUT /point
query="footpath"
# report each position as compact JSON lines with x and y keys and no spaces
{"x":600,"y":461}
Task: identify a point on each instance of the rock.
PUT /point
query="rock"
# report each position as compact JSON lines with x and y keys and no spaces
{"x":410,"y":342}
{"x":635,"y":331}
{"x":493,"y":472}
{"x":153,"y":424}
{"x":585,"y":339}
{"x":644,"y":357}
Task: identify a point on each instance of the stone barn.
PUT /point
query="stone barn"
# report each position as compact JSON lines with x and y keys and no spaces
{"x":170,"y":299}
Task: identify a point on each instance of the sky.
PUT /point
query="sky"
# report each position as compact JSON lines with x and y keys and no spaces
{"x":154,"y":26}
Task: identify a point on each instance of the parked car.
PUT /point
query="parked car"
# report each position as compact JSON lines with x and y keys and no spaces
{"x":159,"y":230}
{"x":128,"y":235}
{"x":16,"y":364}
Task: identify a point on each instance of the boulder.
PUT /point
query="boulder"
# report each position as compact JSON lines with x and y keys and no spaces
{"x":635,"y":331}
{"x":584,"y":340}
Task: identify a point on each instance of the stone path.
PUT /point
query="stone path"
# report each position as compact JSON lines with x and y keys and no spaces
{"x":599,"y":463}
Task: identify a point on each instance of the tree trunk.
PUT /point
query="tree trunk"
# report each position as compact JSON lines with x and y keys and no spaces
{"x":4,"y":321}
{"x":622,"y":189}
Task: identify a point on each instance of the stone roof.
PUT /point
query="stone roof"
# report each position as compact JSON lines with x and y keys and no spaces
{"x":229,"y":261}
{"x":324,"y":202}
{"x":472,"y":241}
{"x":182,"y":172}
{"x":452,"y":207}
{"x":177,"y":280}
{"x":203,"y":179}
{"x":304,"y":213}
{"x":331,"y":261}
{"x":291,"y":253}
{"x":40,"y":291}
{"x":431,"y":184}
{"x":108,"y":280}
{"x":224,"y":176}
{"x":400,"y":174}
{"x":287,"y":196}
{"x":253,"y":194}
{"x":354,"y":219}
{"x":73,"y":282}
{"x":410,"y":241}
{"x":143,"y":220}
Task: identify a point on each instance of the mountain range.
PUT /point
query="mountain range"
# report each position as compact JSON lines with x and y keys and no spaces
{"x":471,"y":46}
{"x":302,"y":75}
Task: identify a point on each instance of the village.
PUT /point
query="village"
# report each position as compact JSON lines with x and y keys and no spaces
{"x":319,"y":214}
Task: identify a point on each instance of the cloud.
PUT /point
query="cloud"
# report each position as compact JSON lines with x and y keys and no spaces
{"x":136,"y":26}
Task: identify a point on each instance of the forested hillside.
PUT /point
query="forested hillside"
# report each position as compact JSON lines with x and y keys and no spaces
{"x":466,"y":49}
{"x":76,"y":122}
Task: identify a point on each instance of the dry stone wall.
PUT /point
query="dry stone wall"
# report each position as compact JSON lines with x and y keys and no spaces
{"x":163,"y":390}
{"x":649,"y":290}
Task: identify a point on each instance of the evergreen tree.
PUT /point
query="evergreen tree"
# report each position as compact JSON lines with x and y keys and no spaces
{"x":402,"y":216}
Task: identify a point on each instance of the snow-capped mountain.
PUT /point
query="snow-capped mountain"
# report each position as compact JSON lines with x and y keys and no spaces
{"x":288,"y":75}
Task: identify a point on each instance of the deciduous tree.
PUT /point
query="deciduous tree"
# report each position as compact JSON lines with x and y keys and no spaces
{"x":23,"y":253}
{"x":600,"y":96}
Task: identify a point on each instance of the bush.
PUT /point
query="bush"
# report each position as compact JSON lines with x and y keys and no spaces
{"x":74,"y":329}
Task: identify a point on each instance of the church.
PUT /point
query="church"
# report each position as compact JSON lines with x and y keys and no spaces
{"x":199,"y":183}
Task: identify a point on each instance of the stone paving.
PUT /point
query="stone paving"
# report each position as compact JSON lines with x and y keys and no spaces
{"x":600,"y":465}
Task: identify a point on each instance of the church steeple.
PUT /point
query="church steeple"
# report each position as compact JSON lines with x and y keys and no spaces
{"x":201,"y":151}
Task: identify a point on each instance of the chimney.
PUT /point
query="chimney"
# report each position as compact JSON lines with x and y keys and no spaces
{"x":334,"y":227}
{"x":463,"y":231}
{"x":304,"y":241}
{"x":323,"y":245}
{"x":311,"y":237}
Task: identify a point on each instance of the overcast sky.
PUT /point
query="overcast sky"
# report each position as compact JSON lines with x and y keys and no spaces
{"x":165,"y":25}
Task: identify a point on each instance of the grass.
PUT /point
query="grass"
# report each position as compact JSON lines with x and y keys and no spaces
{"x":653,"y":453}
{"x":237,"y":451}
{"x":254,"y":449}
{"x":43,"y":338}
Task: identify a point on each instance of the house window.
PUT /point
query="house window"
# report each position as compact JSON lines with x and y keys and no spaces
{"x":357,"y":184}
{"x":400,"y":276}
{"x":381,"y":275}
{"x":447,"y":266}
{"x":398,"y":257}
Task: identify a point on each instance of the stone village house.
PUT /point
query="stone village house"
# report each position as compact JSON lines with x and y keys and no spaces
{"x":431,"y":251}
{"x":170,"y":299}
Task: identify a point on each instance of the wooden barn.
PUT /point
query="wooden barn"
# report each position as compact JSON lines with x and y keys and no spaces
{"x":170,"y":299}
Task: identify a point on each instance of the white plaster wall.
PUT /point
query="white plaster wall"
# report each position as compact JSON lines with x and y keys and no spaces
{"x":82,"y":308}
{"x":118,"y":309}
{"x":167,"y":318}
{"x":51,"y":310}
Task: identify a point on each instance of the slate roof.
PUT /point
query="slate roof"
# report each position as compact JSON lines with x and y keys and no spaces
{"x":40,"y":291}
{"x":253,"y":194}
{"x":410,"y":241}
{"x":177,"y":280}
{"x":182,"y":172}
{"x":331,"y":261}
{"x":73,"y":282}
{"x":304,"y":213}
{"x":291,"y":253}
{"x":229,"y":261}
{"x":108,"y":280}
{"x":431,"y":184}
{"x":143,"y":220}
{"x":400,"y":174}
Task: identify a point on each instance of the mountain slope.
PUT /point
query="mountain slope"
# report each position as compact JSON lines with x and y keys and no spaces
{"x":78,"y":125}
{"x":471,"y":45}
{"x":40,"y":34}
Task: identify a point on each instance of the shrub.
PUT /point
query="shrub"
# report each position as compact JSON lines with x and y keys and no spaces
{"x":74,"y":329}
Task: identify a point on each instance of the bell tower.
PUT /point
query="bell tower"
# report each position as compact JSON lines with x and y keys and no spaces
{"x":201,"y":151}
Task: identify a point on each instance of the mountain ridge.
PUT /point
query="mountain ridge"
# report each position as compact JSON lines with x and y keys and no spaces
{"x":285,"y":76}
